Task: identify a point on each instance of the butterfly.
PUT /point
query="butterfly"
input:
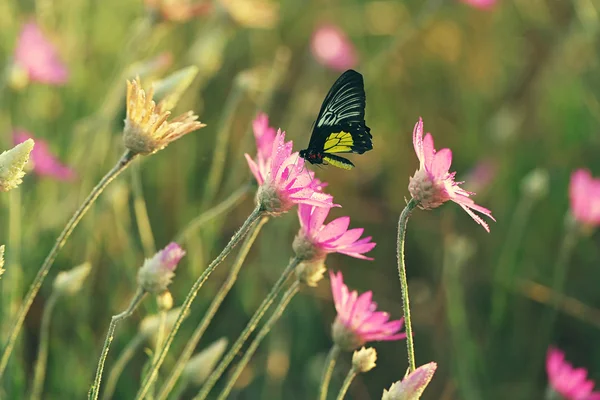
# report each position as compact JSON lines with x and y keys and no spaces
{"x":340,"y":126}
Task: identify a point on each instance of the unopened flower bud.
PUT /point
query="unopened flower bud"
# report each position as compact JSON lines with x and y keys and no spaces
{"x":164,"y":301}
{"x":411,"y":387}
{"x":310,"y":273}
{"x":363,"y":360}
{"x":149,"y":325}
{"x":202,"y":364}
{"x":70,"y":282}
{"x":12,"y":163}
{"x":157,"y":272}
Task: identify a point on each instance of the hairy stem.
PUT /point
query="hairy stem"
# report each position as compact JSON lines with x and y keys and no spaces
{"x":119,"y":365}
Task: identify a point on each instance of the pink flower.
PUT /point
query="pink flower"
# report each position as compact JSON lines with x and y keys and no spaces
{"x":38,"y":57}
{"x":316,"y":239}
{"x":481,"y":4}
{"x":569,"y":382}
{"x":413,"y":386}
{"x":157,"y":272}
{"x":331,"y":47}
{"x":44,"y":162}
{"x":481,"y":176}
{"x":584,"y":192}
{"x":357,"y":322}
{"x":433,"y":184}
{"x":283,"y":179}
{"x":264,"y":135}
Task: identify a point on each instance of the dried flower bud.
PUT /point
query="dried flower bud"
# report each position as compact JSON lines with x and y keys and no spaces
{"x":1,"y":260}
{"x":202,"y":364}
{"x":12,"y":163}
{"x":70,"y":282}
{"x":164,"y":301}
{"x":146,"y":127}
{"x":149,"y":325}
{"x":170,"y":89}
{"x":363,"y":360}
{"x":412,"y":386}
{"x":157,"y":272}
{"x":310,"y":273}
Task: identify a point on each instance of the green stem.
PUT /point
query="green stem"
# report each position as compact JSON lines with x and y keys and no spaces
{"x":141,"y":212}
{"x":410,"y":347}
{"x":349,"y":378}
{"x":264,"y":331}
{"x":137,"y":299}
{"x":58,"y":245}
{"x":234,"y":199}
{"x":328,"y":371}
{"x":160,"y":338}
{"x":190,"y":346}
{"x":42,"y":357}
{"x":153,"y":373}
{"x":117,"y":369}
{"x":251,"y":327}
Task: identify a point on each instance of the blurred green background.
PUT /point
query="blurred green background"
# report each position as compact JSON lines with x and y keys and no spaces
{"x":514,"y":87}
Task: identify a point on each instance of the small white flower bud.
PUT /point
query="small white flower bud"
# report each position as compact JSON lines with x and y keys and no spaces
{"x":1,"y":260}
{"x":363,"y":360}
{"x":12,"y":163}
{"x":202,"y":364}
{"x":70,"y":282}
{"x":157,"y":272}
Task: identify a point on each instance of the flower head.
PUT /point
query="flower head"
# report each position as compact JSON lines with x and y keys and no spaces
{"x":38,"y":58}
{"x":481,"y":4}
{"x":433,"y":184}
{"x":331,"y":47}
{"x":44,"y":162}
{"x":584,"y":193}
{"x":363,"y":360}
{"x":569,"y":382}
{"x":357,"y":322}
{"x":412,"y":386}
{"x":157,"y":272}
{"x":315,"y":240}
{"x":146,"y":127}
{"x":12,"y":163}
{"x":70,"y":282}
{"x":283,"y":179}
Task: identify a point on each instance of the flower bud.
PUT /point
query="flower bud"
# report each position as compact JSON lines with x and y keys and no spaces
{"x":70,"y":282}
{"x":363,"y":360}
{"x":310,"y":273}
{"x":157,"y":272}
{"x":535,"y":183}
{"x":149,"y":325}
{"x":164,"y":301}
{"x":202,"y":364}
{"x":12,"y":163}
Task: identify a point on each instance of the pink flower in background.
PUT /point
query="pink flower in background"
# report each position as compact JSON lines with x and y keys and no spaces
{"x":481,"y":176}
{"x":157,"y":272}
{"x":331,"y":238}
{"x":433,"y":184}
{"x":413,"y":386}
{"x":481,"y":4}
{"x":284,"y":181}
{"x":357,"y":322}
{"x":38,"y":57}
{"x":44,"y":162}
{"x":584,"y":193}
{"x":332,"y":47}
{"x":569,"y":382}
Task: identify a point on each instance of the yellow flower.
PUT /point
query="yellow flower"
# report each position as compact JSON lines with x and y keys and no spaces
{"x":146,"y":127}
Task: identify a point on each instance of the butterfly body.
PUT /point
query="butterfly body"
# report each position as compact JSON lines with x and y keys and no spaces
{"x":340,"y":125}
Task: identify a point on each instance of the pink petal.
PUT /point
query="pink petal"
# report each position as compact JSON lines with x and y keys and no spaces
{"x":334,"y":229}
{"x":428,"y":151}
{"x":441,"y":163}
{"x":254,"y":169}
{"x":418,"y":141}
{"x":318,"y":217}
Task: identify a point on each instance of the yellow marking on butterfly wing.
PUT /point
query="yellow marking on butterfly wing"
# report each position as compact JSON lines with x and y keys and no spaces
{"x":338,"y":142}
{"x":338,"y":163}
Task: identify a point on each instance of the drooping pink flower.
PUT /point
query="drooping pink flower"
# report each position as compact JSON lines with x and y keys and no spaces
{"x":413,"y":386}
{"x":332,"y":48}
{"x":44,"y":162}
{"x":38,"y":57}
{"x":284,"y":181}
{"x":357,"y":320}
{"x":157,"y":272}
{"x":569,"y":382}
{"x":481,"y":4}
{"x":335,"y":237}
{"x":584,"y":193}
{"x":433,"y":184}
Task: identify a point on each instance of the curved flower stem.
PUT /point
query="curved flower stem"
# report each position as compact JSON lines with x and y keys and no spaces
{"x":119,"y":365}
{"x":187,"y":303}
{"x":40,"y":364}
{"x":190,"y":346}
{"x":404,"y":283}
{"x":234,"y":199}
{"x":137,"y":299}
{"x":328,"y":371}
{"x":58,"y":245}
{"x":264,"y":331}
{"x":349,"y":378}
{"x":251,"y":327}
